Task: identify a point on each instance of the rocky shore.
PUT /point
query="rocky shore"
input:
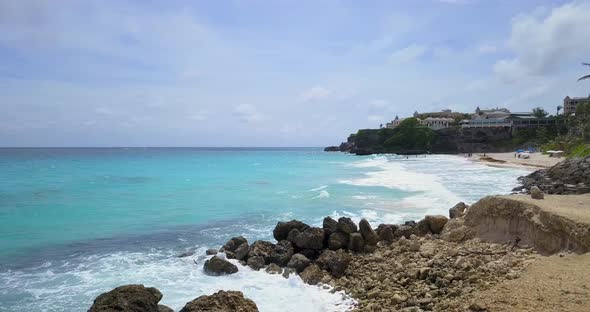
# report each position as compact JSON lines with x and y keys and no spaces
{"x":436,"y":264}
{"x":571,"y":176}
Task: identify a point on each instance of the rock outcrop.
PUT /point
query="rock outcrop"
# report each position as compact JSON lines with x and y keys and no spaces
{"x":221,"y":301}
{"x":129,"y":298}
{"x":514,"y":219}
{"x":217,"y":266}
{"x":571,"y":176}
{"x":282,"y":229}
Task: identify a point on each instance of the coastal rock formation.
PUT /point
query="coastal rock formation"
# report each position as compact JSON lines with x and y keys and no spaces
{"x":338,"y":240}
{"x":298,"y":262}
{"x":346,"y":225}
{"x":356,"y":242}
{"x":311,"y":238}
{"x":514,"y":218}
{"x":262,"y":249}
{"x":436,"y":223}
{"x":458,"y":210}
{"x":234,"y":243}
{"x":536,"y":193}
{"x":369,"y":235}
{"x":385,"y":232}
{"x":242,"y":251}
{"x":282,"y":253}
{"x":438,"y":276}
{"x":217,"y":266}
{"x":312,"y":275}
{"x":282,"y":229}
{"x":571,"y":176}
{"x":335,"y":262}
{"x":221,"y":301}
{"x":330,"y":226}
{"x":129,"y":298}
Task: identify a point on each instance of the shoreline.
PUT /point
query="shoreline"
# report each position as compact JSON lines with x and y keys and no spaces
{"x":507,"y":160}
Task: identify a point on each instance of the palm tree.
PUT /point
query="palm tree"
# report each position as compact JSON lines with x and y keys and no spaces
{"x":587,"y":76}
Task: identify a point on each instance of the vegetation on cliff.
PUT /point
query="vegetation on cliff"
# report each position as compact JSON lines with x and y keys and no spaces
{"x":408,"y":137}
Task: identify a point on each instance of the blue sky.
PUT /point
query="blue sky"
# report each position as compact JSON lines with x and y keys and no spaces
{"x":273,"y":73}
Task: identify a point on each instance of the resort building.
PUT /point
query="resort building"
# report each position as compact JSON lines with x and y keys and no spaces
{"x":436,"y":123}
{"x":394,"y":123}
{"x":570,"y":104}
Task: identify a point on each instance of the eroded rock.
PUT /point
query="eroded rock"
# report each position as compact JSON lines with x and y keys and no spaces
{"x":221,"y":301}
{"x":217,"y":266}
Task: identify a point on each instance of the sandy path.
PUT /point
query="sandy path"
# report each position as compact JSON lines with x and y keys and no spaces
{"x":556,"y":283}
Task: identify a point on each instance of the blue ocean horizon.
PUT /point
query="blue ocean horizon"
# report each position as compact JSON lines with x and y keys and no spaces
{"x":79,"y":221}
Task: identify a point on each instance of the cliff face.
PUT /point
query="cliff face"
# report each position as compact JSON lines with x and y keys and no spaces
{"x":445,"y":141}
{"x":571,"y":176}
{"x":549,"y":225}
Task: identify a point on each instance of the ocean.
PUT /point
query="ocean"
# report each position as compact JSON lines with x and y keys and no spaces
{"x":76,"y":222}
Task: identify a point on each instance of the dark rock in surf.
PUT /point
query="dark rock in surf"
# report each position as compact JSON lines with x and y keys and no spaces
{"x":221,"y":301}
{"x":282,"y":229}
{"x":217,"y":266}
{"x":346,"y":225}
{"x":128,"y":298}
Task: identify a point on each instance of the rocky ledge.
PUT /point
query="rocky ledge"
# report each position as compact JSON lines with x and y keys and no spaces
{"x":571,"y":176}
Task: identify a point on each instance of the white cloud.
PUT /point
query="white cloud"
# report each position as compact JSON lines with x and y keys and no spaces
{"x":543,"y":44}
{"x":407,"y":54}
{"x":248,"y":113}
{"x":487,"y":49}
{"x":315,"y":93}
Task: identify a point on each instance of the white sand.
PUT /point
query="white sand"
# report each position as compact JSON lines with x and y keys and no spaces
{"x":508,"y":160}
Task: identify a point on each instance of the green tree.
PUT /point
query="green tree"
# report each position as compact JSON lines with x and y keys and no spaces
{"x":540,"y":112}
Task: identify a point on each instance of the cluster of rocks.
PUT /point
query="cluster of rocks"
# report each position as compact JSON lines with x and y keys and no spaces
{"x":314,"y":252}
{"x":138,"y":298}
{"x":426,"y":273}
{"x":571,"y":176}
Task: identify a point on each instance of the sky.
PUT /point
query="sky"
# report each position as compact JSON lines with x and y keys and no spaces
{"x":274,"y":72}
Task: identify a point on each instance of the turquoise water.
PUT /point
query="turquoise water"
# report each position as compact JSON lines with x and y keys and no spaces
{"x":77,"y":222}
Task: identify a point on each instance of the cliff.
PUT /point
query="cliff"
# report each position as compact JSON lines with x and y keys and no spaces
{"x":445,"y":141}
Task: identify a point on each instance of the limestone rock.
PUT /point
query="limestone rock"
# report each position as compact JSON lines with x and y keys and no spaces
{"x":242,"y":251}
{"x":356,"y":243}
{"x":536,"y":193}
{"x":369,"y":235}
{"x":338,"y":240}
{"x":221,"y":301}
{"x":211,"y":252}
{"x":312,"y":274}
{"x":458,"y":210}
{"x":298,"y":262}
{"x":234,"y":243}
{"x":436,"y":223}
{"x":282,"y":229}
{"x":335,"y":262}
{"x":256,"y":262}
{"x":273,"y":268}
{"x":312,"y":238}
{"x":262,"y":249}
{"x":346,"y":225}
{"x":329,"y":225}
{"x":128,"y":298}
{"x":282,"y":253}
{"x":217,"y":266}
{"x":385,"y":232}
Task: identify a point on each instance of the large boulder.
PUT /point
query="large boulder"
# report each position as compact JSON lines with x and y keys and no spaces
{"x":312,"y":274}
{"x":369,"y":235}
{"x":234,"y":243}
{"x":356,"y":242}
{"x":404,"y":230}
{"x":298,"y":262}
{"x":436,"y":223}
{"x":282,"y":253}
{"x":335,"y":262}
{"x":256,"y":262}
{"x":262,"y":249}
{"x":346,"y":225}
{"x":312,"y":238}
{"x":458,"y":210}
{"x":385,"y":232}
{"x":536,"y":193}
{"x":129,"y":298}
{"x":282,"y":229}
{"x":217,"y":266}
{"x":242,"y":251}
{"x":330,"y":226}
{"x":338,"y":240}
{"x":221,"y":301}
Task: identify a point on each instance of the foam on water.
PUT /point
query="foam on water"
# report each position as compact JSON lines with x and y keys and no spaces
{"x":180,"y":280}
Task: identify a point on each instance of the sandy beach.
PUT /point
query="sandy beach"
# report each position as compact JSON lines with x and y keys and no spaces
{"x":536,"y":160}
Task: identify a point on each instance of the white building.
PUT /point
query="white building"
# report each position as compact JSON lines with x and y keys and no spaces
{"x":435,"y":123}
